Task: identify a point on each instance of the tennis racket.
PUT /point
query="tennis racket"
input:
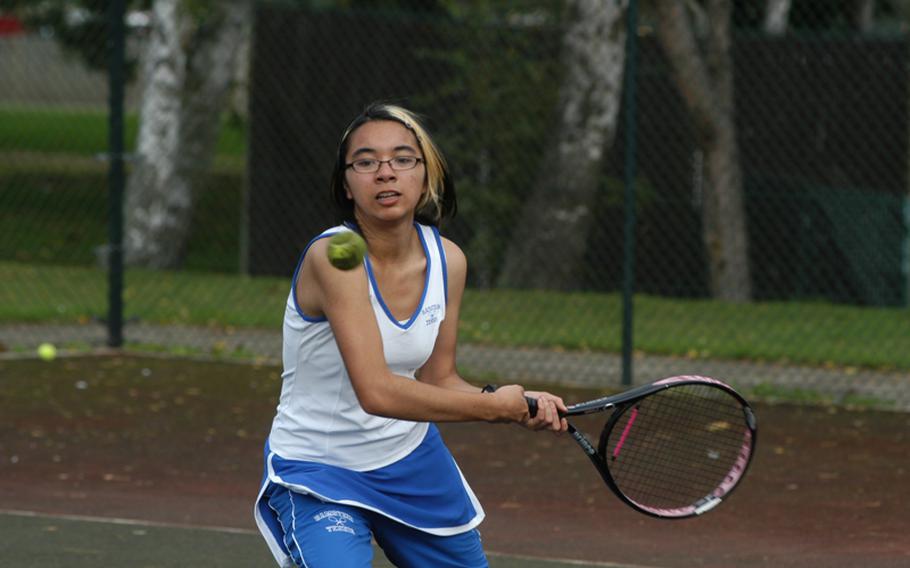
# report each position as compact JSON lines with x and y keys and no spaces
{"x":671,"y":449}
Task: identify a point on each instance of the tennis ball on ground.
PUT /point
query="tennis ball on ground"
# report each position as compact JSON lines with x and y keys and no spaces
{"x":346,"y":250}
{"x":47,"y":351}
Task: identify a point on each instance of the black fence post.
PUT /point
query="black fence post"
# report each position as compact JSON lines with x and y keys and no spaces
{"x":628,"y":280}
{"x":116,"y":79}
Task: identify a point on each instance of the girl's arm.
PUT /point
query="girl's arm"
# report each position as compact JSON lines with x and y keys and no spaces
{"x":343,"y":297}
{"x":440,"y":369}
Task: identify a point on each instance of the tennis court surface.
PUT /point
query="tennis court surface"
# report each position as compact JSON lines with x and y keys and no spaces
{"x":138,"y":461}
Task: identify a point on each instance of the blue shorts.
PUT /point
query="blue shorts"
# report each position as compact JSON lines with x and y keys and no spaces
{"x":331,"y":535}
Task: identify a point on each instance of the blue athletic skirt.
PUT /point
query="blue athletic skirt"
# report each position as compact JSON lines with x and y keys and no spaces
{"x":425,"y":490}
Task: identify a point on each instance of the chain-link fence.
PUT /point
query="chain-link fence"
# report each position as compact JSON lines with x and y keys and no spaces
{"x":770,"y":178}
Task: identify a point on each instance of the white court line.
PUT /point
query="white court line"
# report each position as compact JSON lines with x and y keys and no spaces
{"x":566,"y":561}
{"x":125,"y":522}
{"x":251,"y":532}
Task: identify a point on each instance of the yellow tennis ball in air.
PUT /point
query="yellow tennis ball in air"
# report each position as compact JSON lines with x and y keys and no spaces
{"x":47,"y":351}
{"x":346,"y":250}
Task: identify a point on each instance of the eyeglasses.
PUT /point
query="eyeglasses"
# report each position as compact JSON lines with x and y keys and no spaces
{"x":398,"y":164}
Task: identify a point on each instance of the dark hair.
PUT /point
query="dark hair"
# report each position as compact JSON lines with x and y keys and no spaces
{"x":438,"y":201}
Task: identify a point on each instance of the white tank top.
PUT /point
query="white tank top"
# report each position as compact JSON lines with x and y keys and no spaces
{"x":319,"y":417}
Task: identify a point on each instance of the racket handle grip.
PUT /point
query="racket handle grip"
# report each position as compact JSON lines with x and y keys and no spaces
{"x":532,"y":406}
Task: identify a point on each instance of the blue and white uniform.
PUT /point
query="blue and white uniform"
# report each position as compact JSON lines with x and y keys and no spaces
{"x":324,"y":445}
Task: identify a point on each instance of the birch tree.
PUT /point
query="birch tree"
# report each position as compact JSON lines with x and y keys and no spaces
{"x":187,"y":71}
{"x":548,"y":245}
{"x":777,"y":17}
{"x":864,"y":15}
{"x":703,"y":72}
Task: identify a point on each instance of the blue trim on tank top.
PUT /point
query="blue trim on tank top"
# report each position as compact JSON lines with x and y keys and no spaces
{"x":426,"y":285}
{"x":305,"y":317}
{"x":445,"y":268}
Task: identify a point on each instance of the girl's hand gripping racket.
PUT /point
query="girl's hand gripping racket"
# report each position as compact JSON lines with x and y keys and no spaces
{"x":672,"y":449}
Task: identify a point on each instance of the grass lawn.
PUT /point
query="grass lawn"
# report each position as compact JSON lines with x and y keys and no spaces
{"x":83,"y":132}
{"x":794,"y":332}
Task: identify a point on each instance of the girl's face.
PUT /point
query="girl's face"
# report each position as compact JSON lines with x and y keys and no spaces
{"x":391,"y":192}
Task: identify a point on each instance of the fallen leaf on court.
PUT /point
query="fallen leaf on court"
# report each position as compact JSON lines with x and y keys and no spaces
{"x":531,"y":459}
{"x":718,"y":426}
{"x":115,"y":477}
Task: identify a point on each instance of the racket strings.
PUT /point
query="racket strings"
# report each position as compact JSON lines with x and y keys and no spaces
{"x":678,"y":446}
{"x":671,"y":482}
{"x":682,"y":449}
{"x":668,"y":474}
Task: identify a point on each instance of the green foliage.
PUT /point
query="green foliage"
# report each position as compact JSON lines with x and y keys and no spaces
{"x":80,"y":26}
{"x":199,"y":10}
{"x":487,"y":10}
{"x":500,"y":78}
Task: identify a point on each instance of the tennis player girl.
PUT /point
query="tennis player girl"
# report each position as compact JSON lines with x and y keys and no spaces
{"x":369,"y":366}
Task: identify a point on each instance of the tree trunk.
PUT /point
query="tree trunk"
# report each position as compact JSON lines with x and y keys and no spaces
{"x":864,"y":15}
{"x":548,"y":245}
{"x":777,"y":17}
{"x":705,"y":81}
{"x":239,"y":99}
{"x":187,"y":71}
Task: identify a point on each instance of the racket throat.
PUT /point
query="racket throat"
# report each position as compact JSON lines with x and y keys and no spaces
{"x":582,"y":441}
